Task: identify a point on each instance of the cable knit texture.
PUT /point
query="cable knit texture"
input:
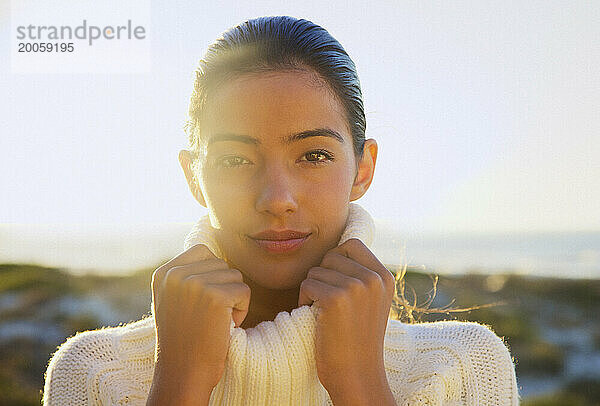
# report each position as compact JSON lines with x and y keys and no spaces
{"x":441,"y":363}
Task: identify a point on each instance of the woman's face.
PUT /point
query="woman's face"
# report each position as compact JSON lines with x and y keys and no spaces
{"x":278,"y":171}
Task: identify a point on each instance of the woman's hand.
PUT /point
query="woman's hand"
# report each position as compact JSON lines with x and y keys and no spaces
{"x":353,"y":293}
{"x":195,"y":295}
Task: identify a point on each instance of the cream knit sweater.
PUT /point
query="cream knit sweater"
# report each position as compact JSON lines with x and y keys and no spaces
{"x":441,"y":363}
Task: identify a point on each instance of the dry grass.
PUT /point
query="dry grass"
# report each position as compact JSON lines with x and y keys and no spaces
{"x":408,"y":309}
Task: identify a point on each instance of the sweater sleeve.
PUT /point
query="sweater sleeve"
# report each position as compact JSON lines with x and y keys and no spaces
{"x":86,"y":370}
{"x":449,"y":363}
{"x":492,"y":367}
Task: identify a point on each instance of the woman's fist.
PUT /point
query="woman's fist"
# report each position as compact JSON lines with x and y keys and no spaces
{"x":353,"y":293}
{"x":195,"y":295}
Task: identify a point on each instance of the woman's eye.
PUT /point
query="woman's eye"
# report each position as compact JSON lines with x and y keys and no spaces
{"x":317,"y":156}
{"x":232,"y":161}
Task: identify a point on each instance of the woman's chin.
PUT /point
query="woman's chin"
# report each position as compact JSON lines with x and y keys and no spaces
{"x":279,"y":281}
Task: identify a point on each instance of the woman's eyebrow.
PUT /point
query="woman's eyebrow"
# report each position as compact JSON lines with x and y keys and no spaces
{"x":246,"y":139}
{"x":232,"y":137}
{"x":317,"y":132}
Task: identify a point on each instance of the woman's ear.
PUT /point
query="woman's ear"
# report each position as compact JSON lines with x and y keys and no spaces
{"x":366,"y":169}
{"x":186,"y":159}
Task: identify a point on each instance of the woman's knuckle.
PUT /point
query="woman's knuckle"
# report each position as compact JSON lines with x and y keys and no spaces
{"x":172,"y":276}
{"x":313,"y":272}
{"x":216,"y":262}
{"x":354,"y":244}
{"x":212,"y":295}
{"x":388,"y":279}
{"x":194,"y":285}
{"x":328,"y":260}
{"x":373,"y":280}
{"x":158,"y":274}
{"x":355,"y":286}
{"x":237,"y":275}
{"x":339,"y":299}
{"x":307,"y":285}
{"x":246,"y":291}
{"x":199,"y":252}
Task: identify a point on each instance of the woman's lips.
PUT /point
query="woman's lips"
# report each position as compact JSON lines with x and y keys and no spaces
{"x":280,"y":241}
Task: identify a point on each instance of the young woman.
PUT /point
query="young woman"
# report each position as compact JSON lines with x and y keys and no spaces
{"x":277,"y":298}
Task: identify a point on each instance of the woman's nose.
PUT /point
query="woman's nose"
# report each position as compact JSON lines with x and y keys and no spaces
{"x":276,"y":195}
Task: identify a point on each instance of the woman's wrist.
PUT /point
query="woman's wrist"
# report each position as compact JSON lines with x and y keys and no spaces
{"x":167,"y":397}
{"x":366,"y":389}
{"x":169,"y":388}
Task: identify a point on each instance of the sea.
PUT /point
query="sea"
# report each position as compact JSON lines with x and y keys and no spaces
{"x":113,"y":249}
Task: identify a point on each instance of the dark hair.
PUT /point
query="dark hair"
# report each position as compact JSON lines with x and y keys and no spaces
{"x":273,"y":44}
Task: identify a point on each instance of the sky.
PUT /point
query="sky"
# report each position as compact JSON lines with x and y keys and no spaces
{"x":487,"y":115}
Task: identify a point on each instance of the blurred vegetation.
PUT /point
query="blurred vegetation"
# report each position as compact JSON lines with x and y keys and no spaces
{"x":40,"y":307}
{"x":529,"y":313}
{"x":580,"y":393}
